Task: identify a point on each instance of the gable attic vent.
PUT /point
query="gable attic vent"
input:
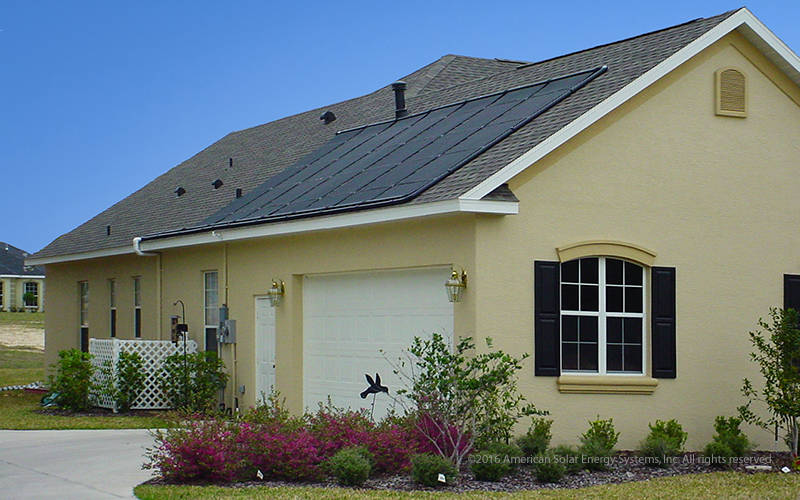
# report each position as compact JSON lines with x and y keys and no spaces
{"x":180,"y":192}
{"x":731,"y":93}
{"x":217,"y":184}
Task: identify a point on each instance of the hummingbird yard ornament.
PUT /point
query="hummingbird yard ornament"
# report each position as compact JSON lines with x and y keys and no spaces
{"x":374,"y":388}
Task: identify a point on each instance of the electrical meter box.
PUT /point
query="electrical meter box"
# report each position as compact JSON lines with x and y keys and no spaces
{"x":227,"y":332}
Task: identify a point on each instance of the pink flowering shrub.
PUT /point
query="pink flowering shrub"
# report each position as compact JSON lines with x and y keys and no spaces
{"x":287,"y":454}
{"x":281,"y":446}
{"x":335,"y":429}
{"x":437,"y":438}
{"x":198,"y":452}
{"x":392,"y":446}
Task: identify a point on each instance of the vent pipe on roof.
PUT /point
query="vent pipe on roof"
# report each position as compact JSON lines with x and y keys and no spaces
{"x":399,"y":88}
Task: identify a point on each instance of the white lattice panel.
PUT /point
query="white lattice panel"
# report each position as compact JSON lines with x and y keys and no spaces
{"x":153,"y":353}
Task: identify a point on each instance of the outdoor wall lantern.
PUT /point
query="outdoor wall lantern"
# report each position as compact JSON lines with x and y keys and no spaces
{"x":455,"y":285}
{"x":276,"y":292}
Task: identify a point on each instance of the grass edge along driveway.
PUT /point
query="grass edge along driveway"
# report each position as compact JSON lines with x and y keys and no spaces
{"x":714,"y":485}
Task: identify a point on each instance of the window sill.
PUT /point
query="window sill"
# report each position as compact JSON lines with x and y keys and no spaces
{"x":577,"y":384}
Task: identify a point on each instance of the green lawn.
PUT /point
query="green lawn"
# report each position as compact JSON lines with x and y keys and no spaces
{"x":21,"y":366}
{"x":716,"y":485}
{"x":32,"y":320}
{"x":18,"y":408}
{"x":18,"y":411}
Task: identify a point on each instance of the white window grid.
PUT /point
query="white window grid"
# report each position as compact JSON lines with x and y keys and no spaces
{"x":83,"y":288}
{"x":601,"y":316}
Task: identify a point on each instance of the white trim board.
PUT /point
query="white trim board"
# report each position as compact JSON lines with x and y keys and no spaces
{"x":743,"y":20}
{"x":333,"y":222}
{"x":23,"y":276}
{"x":94,"y":254}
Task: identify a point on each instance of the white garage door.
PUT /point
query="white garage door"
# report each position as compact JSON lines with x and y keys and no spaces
{"x":347,"y":318}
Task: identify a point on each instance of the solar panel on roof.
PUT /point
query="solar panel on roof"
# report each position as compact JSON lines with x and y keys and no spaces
{"x":392,"y":162}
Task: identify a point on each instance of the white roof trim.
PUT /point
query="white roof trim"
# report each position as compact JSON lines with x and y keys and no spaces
{"x":333,"y":222}
{"x":23,"y":276}
{"x":108,"y":252}
{"x":753,"y":29}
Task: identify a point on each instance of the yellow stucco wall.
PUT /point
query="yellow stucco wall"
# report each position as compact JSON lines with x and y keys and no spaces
{"x":715,"y":197}
{"x":250,"y":267}
{"x":62,"y":321}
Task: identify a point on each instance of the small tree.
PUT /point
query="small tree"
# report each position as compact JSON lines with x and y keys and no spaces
{"x":461,"y":398}
{"x":777,"y":353}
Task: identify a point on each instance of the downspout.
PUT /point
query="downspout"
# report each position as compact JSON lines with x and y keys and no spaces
{"x":137,"y":247}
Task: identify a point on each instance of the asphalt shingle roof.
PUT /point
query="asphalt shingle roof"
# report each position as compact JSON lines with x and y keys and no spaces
{"x":260,"y":152}
{"x":12,"y":261}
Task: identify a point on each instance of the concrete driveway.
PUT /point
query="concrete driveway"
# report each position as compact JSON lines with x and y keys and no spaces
{"x":72,"y":464}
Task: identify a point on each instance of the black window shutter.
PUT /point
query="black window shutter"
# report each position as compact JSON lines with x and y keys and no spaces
{"x":663,"y":322}
{"x":791,"y":292}
{"x":547,"y":318}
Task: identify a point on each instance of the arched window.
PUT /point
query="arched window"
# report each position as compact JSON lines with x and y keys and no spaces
{"x":602,"y":316}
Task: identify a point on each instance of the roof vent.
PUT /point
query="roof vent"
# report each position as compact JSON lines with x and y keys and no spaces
{"x":217,"y":183}
{"x":230,"y":162}
{"x":238,"y":192}
{"x":399,"y":88}
{"x":731,"y":93}
{"x":180,"y":191}
{"x":108,"y":230}
{"x":327,"y":117}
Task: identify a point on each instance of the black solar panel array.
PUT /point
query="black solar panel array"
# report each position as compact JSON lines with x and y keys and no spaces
{"x":393,"y":162}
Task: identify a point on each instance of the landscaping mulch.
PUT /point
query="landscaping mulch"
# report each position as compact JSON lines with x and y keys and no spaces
{"x":626,"y":467}
{"x":99,"y":412}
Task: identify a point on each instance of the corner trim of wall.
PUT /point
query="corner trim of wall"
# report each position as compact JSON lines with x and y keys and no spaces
{"x":577,"y":384}
{"x":608,"y":248}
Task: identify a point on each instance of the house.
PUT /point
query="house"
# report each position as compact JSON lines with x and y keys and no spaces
{"x":624,"y":213}
{"x":21,"y":286}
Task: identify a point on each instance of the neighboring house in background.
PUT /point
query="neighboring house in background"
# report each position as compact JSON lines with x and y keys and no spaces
{"x":19,"y":282}
{"x":624,"y":213}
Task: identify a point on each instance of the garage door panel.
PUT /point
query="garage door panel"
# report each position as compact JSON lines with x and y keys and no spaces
{"x":349,"y":318}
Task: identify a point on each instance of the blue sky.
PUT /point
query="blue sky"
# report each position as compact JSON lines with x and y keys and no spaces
{"x":99,"y":98}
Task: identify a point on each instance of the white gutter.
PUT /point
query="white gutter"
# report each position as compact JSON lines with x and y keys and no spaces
{"x":23,"y":276}
{"x":330,"y":222}
{"x":94,"y":254}
{"x":137,"y":247}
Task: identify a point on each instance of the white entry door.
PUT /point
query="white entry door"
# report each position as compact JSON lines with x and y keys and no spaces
{"x":348,"y":318}
{"x":265,"y":347}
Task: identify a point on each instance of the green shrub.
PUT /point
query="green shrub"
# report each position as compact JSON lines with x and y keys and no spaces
{"x":271,"y":411}
{"x":665,"y":441}
{"x":728,"y":443}
{"x":494,"y":461}
{"x":549,"y":467}
{"x":426,"y":467}
{"x":569,"y":456}
{"x":193,"y":384}
{"x":124,"y":384}
{"x":349,"y":466}
{"x":537,"y":439}
{"x":73,"y":379}
{"x":510,"y":453}
{"x":488,"y":466}
{"x":597,"y":444}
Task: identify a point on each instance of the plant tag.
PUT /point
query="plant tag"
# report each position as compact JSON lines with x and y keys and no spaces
{"x":785,"y":470}
{"x":260,"y":475}
{"x":442,"y":479}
